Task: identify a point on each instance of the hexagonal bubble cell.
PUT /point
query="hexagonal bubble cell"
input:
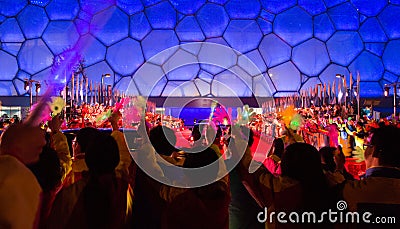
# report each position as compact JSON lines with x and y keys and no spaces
{"x":238,"y":9}
{"x":293,"y":26}
{"x":243,"y":35}
{"x":391,"y":57}
{"x":33,"y":20}
{"x":110,"y":26}
{"x":10,"y":31}
{"x":63,"y":9}
{"x":191,"y":47}
{"x":147,"y":76}
{"x":60,"y":35}
{"x":82,"y":26}
{"x":217,"y":55}
{"x":212,"y":19}
{"x":158,"y":88}
{"x":44,"y":78}
{"x":265,"y":26}
{"x":161,"y":16}
{"x":11,"y":8}
{"x":12,"y":48}
{"x":19,"y":86}
{"x":34,"y":56}
{"x":19,"y":82}
{"x":267,"y":16}
{"x":85,"y":16}
{"x":370,"y":89}
{"x":369,"y":66}
{"x":277,"y":6}
{"x":344,"y":46}
{"x":189,"y":30}
{"x":125,"y":56}
{"x":181,"y":66}
{"x":139,"y":26}
{"x":91,"y":49}
{"x":252,"y":63}
{"x":150,"y":2}
{"x":323,"y":27}
{"x":187,"y":6}
{"x":126,"y":84}
{"x":157,"y":42}
{"x":330,"y":3}
{"x":390,"y":22}
{"x":228,"y":84}
{"x":369,"y":8}
{"x":329,"y":74}
{"x":274,"y":50}
{"x":207,"y":77}
{"x":95,"y":72}
{"x":203,"y":87}
{"x":130,"y":6}
{"x":95,"y":6}
{"x":241,"y":74}
{"x":313,"y":7}
{"x":180,"y":88}
{"x":212,"y":69}
{"x":344,"y":17}
{"x":7,"y":88}
{"x":285,"y":77}
{"x":221,"y":2}
{"x":311,"y":57}
{"x":390,"y":77}
{"x":262,"y":86}
{"x":375,"y":48}
{"x":363,"y":18}
{"x":371,"y":31}
{"x":187,"y":72}
{"x":217,"y":40}
{"x":311,"y":82}
{"x":180,"y":17}
{"x":8,"y":66}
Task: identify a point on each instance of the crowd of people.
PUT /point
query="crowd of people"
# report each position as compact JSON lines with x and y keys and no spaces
{"x":45,"y":183}
{"x":96,"y":115}
{"x":331,"y":125}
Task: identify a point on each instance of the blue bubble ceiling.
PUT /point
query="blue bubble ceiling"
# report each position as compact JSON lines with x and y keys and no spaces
{"x":294,"y":43}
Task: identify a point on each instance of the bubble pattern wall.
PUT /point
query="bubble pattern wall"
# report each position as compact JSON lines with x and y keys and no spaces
{"x":295,"y":43}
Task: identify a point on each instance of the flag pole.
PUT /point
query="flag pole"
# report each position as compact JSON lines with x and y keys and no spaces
{"x":358,"y":95}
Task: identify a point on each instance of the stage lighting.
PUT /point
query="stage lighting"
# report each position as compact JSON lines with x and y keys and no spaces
{"x":38,"y":86}
{"x":386,"y":92}
{"x":26,"y":85}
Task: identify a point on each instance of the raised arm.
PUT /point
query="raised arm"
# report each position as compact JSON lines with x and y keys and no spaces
{"x":60,"y":144}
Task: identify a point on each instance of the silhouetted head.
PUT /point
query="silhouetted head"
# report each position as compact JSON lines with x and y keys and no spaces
{"x":301,"y":162}
{"x":102,"y":155}
{"x":23,"y":142}
{"x":327,"y":158}
{"x":83,"y":139}
{"x":385,"y":146}
{"x":201,"y":159}
{"x":163,"y":140}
